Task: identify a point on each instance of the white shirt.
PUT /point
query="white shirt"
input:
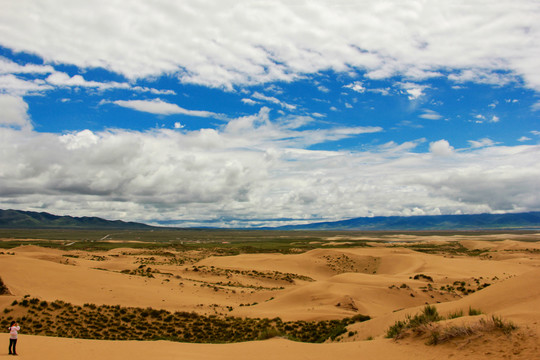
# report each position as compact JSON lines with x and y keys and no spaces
{"x":14,"y":331}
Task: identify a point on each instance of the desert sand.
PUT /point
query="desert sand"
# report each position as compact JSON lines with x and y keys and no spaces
{"x":320,"y":284}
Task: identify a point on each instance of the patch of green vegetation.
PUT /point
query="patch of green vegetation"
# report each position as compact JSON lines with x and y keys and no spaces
{"x":474,"y":312}
{"x":450,"y":248}
{"x":423,"y":277}
{"x":106,"y":322}
{"x":423,"y":324}
{"x":428,"y":314}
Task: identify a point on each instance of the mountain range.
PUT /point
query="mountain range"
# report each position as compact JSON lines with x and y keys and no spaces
{"x":529,"y":220}
{"x":17,"y":219}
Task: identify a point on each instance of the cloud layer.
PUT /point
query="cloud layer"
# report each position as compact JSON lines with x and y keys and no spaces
{"x":228,"y":42}
{"x":254,"y":171}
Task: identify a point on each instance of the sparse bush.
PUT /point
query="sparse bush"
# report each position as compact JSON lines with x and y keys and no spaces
{"x":474,"y":312}
{"x":455,"y":314}
{"x":429,"y":314}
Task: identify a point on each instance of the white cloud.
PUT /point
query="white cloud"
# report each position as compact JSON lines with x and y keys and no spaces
{"x":160,"y":107}
{"x":482,"y":118}
{"x":430,"y":115}
{"x":382,"y":91}
{"x":249,"y":101}
{"x":11,"y":84}
{"x":536,"y":106}
{"x":441,"y":148}
{"x":62,"y":79}
{"x":79,"y":140}
{"x":255,"y":169}
{"x":494,"y":104}
{"x":524,"y":138}
{"x":323,"y":89}
{"x":220,"y":44}
{"x":483,"y":77}
{"x":9,"y":67}
{"x":481,"y":143}
{"x":273,"y":100}
{"x":413,"y":90}
{"x":356,"y":86}
{"x":14,"y":112}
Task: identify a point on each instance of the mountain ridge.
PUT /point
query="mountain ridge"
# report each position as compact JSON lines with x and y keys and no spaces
{"x":517,"y":221}
{"x":18,"y":219}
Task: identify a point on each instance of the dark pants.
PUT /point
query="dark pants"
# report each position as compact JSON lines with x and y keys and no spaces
{"x":12,"y":345}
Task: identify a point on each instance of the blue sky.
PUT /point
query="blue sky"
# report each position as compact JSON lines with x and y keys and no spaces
{"x":267,"y":113}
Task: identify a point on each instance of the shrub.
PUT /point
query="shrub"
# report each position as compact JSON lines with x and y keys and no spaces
{"x":455,"y":314}
{"x":429,"y":314}
{"x":268,"y":333}
{"x":474,"y":312}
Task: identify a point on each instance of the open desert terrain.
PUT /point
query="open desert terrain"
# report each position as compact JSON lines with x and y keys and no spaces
{"x":311,"y":301}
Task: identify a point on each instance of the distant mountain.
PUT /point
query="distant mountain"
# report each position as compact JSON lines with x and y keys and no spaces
{"x":16,"y":219}
{"x":530,"y":220}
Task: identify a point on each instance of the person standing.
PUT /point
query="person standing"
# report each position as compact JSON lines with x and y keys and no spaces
{"x":13,"y":334}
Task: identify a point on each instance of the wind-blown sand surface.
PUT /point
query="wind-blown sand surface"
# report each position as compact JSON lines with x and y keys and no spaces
{"x":320,"y":284}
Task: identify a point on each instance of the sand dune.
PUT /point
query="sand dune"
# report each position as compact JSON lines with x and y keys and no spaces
{"x":316,"y":285}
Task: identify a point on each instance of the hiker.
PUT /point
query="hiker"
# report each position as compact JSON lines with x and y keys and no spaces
{"x":13,"y":333}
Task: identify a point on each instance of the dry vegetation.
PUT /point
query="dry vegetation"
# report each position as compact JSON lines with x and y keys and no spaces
{"x":91,"y":321}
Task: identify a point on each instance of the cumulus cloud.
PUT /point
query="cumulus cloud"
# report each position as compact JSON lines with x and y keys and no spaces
{"x":224,"y":43}
{"x":14,"y":112}
{"x":413,"y":90}
{"x":356,"y":86}
{"x":160,"y":107}
{"x":441,"y":148}
{"x":207,"y":171}
{"x":255,"y":170}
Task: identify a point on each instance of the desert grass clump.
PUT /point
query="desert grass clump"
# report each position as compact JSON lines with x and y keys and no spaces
{"x":455,"y":314}
{"x":474,"y":312}
{"x":428,"y":315}
{"x":439,"y":335}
